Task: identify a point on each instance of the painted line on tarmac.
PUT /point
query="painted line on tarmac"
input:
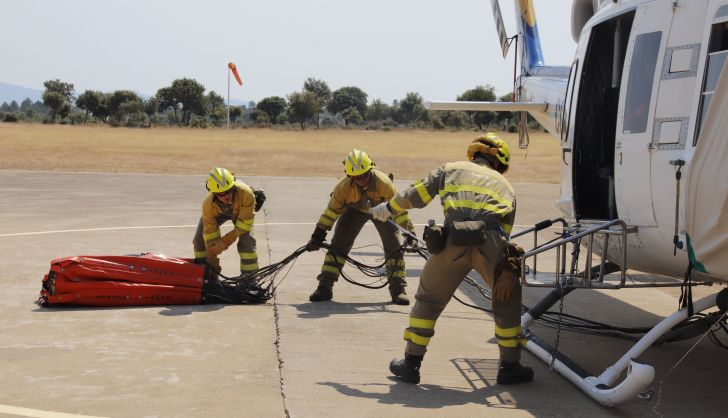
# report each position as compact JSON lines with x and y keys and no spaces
{"x":26,"y":412}
{"x":121,"y":228}
{"x":63,"y":231}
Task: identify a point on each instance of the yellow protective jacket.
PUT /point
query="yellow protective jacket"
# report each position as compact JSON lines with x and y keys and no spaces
{"x":348,"y":195}
{"x":239,"y":211}
{"x":466,"y":190}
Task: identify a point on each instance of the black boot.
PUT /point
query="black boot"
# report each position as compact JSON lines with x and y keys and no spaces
{"x":322,"y":293}
{"x":512,"y":373}
{"x":399,"y":297}
{"x":407,"y":368}
{"x":396,"y":290}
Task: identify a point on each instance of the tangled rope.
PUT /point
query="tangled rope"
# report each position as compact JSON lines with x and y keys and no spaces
{"x":255,"y":287}
{"x":260,"y":286}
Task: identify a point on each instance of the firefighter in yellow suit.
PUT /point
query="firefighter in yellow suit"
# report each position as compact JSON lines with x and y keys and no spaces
{"x":363,"y":187}
{"x":229,"y":200}
{"x":479,"y":206}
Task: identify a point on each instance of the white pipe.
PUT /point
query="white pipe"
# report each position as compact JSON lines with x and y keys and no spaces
{"x":637,"y":379}
{"x":611,"y":374}
{"x":488,"y":106}
{"x":639,"y":375}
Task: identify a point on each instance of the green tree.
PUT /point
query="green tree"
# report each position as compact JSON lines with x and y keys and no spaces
{"x":185,"y":94}
{"x":456,"y":119}
{"x":102,"y":111}
{"x":273,"y":106}
{"x":351,"y":116}
{"x":347,"y":97}
{"x":215,"y":108}
{"x":236,"y":112}
{"x":479,"y":94}
{"x":259,"y":117}
{"x":378,"y":110}
{"x":150,"y":108}
{"x":123,"y":104}
{"x":26,"y":104}
{"x":504,"y":118}
{"x":411,"y":109}
{"x":168,"y":100}
{"x":58,"y":96}
{"x":190,"y":95}
{"x":322,"y":92}
{"x":89,"y":101}
{"x":213,"y":101}
{"x":58,"y":86}
{"x":303,"y":107}
{"x":55,"y":101}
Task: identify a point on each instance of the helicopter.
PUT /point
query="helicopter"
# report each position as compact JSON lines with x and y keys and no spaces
{"x":640,"y":114}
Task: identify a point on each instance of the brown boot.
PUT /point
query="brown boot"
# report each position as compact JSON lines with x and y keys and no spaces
{"x":323,"y":292}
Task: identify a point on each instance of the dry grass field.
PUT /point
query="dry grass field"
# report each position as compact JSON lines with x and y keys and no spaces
{"x":254,"y":152}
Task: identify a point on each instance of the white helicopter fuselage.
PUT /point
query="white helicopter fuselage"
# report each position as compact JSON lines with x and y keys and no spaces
{"x":642,"y":148}
{"x":628,"y":113}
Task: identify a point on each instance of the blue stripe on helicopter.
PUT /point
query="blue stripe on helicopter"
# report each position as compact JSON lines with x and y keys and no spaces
{"x":534,"y":55}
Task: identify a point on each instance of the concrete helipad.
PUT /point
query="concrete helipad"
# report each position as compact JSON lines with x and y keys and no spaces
{"x":288,"y":357}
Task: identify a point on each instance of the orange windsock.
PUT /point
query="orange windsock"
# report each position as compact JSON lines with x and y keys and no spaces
{"x":234,"y":69}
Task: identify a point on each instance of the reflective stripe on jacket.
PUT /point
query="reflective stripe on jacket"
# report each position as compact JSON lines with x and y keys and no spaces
{"x":348,"y":195}
{"x":239,"y":211}
{"x":467,"y":190}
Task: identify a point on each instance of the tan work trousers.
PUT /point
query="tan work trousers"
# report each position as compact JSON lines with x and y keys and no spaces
{"x":346,"y":230}
{"x":246,"y":250}
{"x":441,"y":276}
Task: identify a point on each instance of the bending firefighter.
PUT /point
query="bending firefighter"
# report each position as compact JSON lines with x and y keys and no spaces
{"x":362,"y":188}
{"x":480,"y":206}
{"x":229,"y":200}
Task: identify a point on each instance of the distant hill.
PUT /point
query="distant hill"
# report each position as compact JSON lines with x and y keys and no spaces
{"x":10,"y":92}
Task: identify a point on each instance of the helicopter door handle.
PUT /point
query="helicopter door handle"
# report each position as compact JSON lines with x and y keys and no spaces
{"x":563,"y":154}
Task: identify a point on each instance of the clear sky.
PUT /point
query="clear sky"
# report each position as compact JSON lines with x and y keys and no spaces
{"x":386,"y":47}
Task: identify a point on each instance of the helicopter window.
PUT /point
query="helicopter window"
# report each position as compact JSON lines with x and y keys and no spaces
{"x":722,"y":11}
{"x":717,"y":53}
{"x":641,"y":76}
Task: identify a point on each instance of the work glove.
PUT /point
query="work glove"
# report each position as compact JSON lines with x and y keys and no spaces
{"x":259,"y":199}
{"x":507,"y":279}
{"x":229,"y":238}
{"x":215,"y":247}
{"x":504,"y":284}
{"x":410,"y":240}
{"x":317,"y":239}
{"x":381,"y":212}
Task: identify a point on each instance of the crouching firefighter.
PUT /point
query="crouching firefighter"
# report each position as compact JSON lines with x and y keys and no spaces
{"x":229,"y":199}
{"x":479,"y":205}
{"x":363,"y":187}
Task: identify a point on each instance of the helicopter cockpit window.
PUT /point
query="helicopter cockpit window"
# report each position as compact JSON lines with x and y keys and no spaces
{"x":641,"y":76}
{"x":717,"y":53}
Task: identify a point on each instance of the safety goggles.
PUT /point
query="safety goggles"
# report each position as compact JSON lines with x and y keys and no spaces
{"x":362,"y":178}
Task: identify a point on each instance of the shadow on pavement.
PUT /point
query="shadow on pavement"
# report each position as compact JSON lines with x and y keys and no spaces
{"x":324,"y":309}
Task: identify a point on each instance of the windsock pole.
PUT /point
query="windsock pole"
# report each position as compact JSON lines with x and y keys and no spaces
{"x":228,"y":102}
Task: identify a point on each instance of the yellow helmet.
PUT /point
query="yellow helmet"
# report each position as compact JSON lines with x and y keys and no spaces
{"x":357,"y":163}
{"x":491,"y":144}
{"x":220,"y":180}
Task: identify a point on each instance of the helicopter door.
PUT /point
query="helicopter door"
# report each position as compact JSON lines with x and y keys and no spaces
{"x":676,"y":99}
{"x":633,"y":148}
{"x":596,"y":119}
